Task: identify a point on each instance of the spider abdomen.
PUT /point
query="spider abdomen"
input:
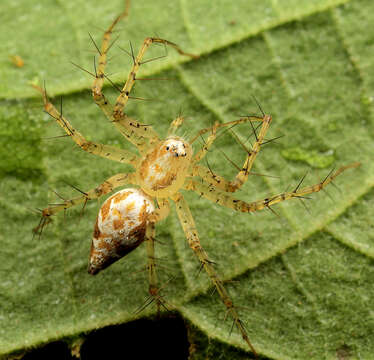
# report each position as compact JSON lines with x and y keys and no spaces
{"x":120,"y":227}
{"x":164,"y":168}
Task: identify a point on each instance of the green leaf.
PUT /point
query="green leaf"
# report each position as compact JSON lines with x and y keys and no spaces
{"x":303,"y":281}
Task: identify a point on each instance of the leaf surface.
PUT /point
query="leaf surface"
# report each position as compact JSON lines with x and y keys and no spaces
{"x":304,"y":279}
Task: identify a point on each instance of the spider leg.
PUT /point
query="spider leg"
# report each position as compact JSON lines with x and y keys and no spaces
{"x":189,"y":228}
{"x":130,"y":128}
{"x":207,"y":144}
{"x":218,"y":196}
{"x":106,"y":151}
{"x":98,"y":83}
{"x":159,"y":214}
{"x":106,"y":187}
{"x":227,"y":124}
{"x":152,"y":276}
{"x":137,"y":62}
{"x":210,"y":177}
{"x":242,"y":176}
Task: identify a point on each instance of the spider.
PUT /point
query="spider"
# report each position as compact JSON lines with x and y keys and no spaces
{"x":162,"y":168}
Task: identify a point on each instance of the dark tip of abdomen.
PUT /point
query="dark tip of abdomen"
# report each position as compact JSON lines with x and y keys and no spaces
{"x":92,"y":270}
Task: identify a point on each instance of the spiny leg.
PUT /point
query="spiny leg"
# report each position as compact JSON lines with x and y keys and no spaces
{"x":207,"y":174}
{"x":137,"y":62}
{"x":106,"y":187}
{"x":106,"y":151}
{"x":213,"y":134}
{"x":190,"y":230}
{"x":134,"y":131}
{"x":242,"y":176}
{"x":207,"y":144}
{"x":97,"y":85}
{"x":152,"y":276}
{"x":154,"y":291}
{"x":137,"y":131}
{"x":220,"y":197}
{"x":226,"y":124}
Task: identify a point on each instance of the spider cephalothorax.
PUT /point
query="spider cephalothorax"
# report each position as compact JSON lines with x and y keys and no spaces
{"x":128,"y":218}
{"x":163,"y":170}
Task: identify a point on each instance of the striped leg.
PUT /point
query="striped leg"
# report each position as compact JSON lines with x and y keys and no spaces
{"x":152,"y":276}
{"x":106,"y":187}
{"x":125,"y":93}
{"x":154,"y":290}
{"x":130,"y":128}
{"x":222,"y":198}
{"x":189,"y":228}
{"x":106,"y":151}
{"x":97,"y":85}
{"x":242,"y":176}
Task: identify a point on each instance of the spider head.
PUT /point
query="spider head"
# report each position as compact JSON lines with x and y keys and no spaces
{"x":176,"y":147}
{"x":164,"y":168}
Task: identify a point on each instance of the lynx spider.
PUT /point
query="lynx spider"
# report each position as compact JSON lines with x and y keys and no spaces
{"x":128,"y":217}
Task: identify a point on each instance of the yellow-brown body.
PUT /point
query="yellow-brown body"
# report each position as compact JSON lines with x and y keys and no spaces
{"x":164,"y":168}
